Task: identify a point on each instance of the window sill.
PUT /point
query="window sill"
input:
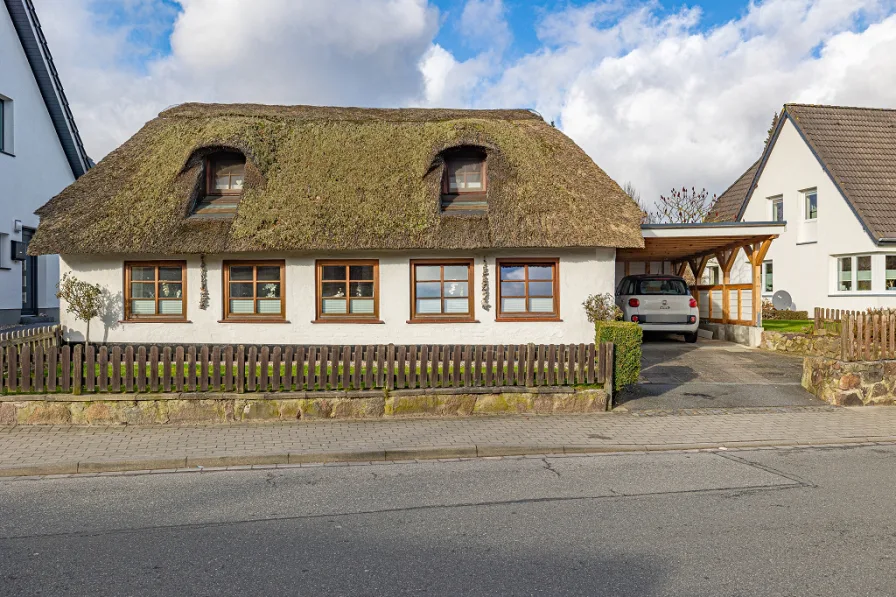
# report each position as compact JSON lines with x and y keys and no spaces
{"x":148,"y":320}
{"x":445,"y":320}
{"x":807,"y":242}
{"x":526,"y":318}
{"x":863,"y":293}
{"x":4,"y":152}
{"x":253,"y":320}
{"x":347,"y":320}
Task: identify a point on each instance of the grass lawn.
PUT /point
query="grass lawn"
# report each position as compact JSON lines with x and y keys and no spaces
{"x":788,"y":326}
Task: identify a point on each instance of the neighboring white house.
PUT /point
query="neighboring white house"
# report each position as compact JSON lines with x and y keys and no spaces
{"x":830,"y":173}
{"x":315,"y":225}
{"x":40,"y":154}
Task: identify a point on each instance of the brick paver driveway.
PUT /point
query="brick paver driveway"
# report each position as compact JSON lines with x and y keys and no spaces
{"x":714,"y":374}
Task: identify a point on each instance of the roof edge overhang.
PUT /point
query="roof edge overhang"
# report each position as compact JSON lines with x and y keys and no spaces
{"x":713,"y":229}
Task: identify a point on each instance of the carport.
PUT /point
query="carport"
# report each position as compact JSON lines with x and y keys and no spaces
{"x":673,"y":248}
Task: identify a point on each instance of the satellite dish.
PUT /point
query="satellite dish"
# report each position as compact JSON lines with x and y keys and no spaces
{"x":782,"y":301}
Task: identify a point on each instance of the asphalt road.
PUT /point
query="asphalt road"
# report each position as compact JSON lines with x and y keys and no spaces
{"x":764,"y":522}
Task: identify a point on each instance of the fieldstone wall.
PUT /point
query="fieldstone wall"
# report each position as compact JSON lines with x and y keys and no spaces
{"x":850,"y":383}
{"x":186,"y":408}
{"x":817,"y":344}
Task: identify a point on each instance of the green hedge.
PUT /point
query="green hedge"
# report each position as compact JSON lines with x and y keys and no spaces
{"x":784,"y":315}
{"x":626,"y":337}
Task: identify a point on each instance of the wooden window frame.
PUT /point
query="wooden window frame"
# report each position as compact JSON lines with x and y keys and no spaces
{"x":210,"y":189}
{"x":482,"y":156}
{"x":228,"y":317}
{"x":442,"y":317}
{"x":523,"y":261}
{"x":129,"y":317}
{"x":321,"y":317}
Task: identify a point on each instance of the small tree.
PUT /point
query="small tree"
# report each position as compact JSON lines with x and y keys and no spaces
{"x":85,"y":301}
{"x":602,"y":307}
{"x":684,"y":207}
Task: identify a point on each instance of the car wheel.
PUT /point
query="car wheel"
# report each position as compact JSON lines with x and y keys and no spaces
{"x":690,"y":338}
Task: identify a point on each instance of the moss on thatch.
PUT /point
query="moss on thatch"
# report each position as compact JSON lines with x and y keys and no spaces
{"x":338,"y":179}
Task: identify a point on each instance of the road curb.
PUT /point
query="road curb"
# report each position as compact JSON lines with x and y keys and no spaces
{"x":399,"y":454}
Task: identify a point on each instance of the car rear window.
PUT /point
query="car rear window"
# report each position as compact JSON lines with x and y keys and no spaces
{"x":674,"y":287}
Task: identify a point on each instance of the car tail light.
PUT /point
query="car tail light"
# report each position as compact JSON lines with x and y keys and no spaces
{"x":693,"y":303}
{"x":692,"y":319}
{"x":635,"y":318}
{"x":633,"y":302}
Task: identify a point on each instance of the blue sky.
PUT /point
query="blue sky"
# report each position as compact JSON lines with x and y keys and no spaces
{"x":659,"y":93}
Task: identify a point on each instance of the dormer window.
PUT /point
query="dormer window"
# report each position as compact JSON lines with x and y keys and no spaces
{"x":224,"y":175}
{"x":464,"y":182}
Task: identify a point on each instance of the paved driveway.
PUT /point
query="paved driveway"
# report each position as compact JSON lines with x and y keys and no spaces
{"x":714,"y":374}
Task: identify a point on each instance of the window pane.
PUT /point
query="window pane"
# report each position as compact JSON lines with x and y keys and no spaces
{"x":456,"y":289}
{"x":242,"y":307}
{"x":456,"y":272}
{"x":513,"y":272}
{"x":241,"y":289}
{"x":455,"y":176}
{"x":457,"y":306}
{"x":268,"y":290}
{"x":362,"y":306}
{"x":364,"y":289}
{"x":241,"y":272}
{"x":541,"y":272}
{"x":143,"y":273}
{"x":171,"y":307}
{"x":143,"y":290}
{"x":541,"y":289}
{"x":429,"y":306}
{"x":513,"y":305}
{"x":863,"y":273}
{"x":360,"y":272}
{"x":333,"y":272}
{"x":891,"y":272}
{"x":170,"y":273}
{"x":267,"y":272}
{"x":428,"y":289}
{"x":332,"y":289}
{"x":768,"y":281}
{"x":236,"y":183}
{"x":845,"y":281}
{"x":513,"y":289}
{"x":427,"y":272}
{"x":222,"y":183}
{"x":811,"y":205}
{"x":474,"y":181}
{"x":268,"y":307}
{"x":171,"y":290}
{"x":143,"y":307}
{"x":333,"y":306}
{"x":541,"y":305}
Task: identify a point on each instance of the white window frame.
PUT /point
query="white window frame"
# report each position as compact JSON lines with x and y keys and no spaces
{"x":6,"y":125}
{"x":853,"y":274}
{"x":765,"y":272}
{"x":806,"y":194}
{"x":772,"y":201}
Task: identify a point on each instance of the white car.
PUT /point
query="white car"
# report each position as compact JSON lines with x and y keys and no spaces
{"x":659,"y":303}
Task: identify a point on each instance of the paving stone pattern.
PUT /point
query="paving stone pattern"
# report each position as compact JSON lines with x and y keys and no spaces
{"x":174,"y":447}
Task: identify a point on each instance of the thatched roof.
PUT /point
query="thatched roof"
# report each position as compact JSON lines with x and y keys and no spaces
{"x":332,"y":179}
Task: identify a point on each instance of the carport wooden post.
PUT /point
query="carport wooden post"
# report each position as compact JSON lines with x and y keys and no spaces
{"x":726,"y":262}
{"x":756,"y":254}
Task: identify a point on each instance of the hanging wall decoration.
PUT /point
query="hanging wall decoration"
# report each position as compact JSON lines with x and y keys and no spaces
{"x":485,"y":289}
{"x":203,"y":284}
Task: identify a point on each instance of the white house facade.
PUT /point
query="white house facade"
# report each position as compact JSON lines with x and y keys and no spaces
{"x":40,"y":154}
{"x":827,"y":172}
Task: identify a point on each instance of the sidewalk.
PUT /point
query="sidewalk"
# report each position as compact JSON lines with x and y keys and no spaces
{"x":35,"y":450}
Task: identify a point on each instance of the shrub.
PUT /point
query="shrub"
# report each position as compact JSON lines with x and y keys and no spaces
{"x":626,"y":338}
{"x":769,"y":313}
{"x":602,"y":307}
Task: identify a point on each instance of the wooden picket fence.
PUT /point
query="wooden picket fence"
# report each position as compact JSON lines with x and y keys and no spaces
{"x":76,"y":369}
{"x":867,"y":336}
{"x":46,"y":336}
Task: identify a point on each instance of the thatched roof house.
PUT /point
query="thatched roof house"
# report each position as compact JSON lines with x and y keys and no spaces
{"x":332,"y":179}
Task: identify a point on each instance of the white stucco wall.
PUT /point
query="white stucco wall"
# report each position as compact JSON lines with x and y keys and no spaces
{"x":582,"y":272}
{"x":804,"y":255}
{"x":33,"y":168}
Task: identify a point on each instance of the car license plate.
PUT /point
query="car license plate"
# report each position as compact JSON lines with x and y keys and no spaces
{"x":665,"y":307}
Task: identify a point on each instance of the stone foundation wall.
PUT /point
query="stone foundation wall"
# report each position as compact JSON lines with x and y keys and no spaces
{"x":172,"y":409}
{"x":818,"y":344}
{"x":850,"y":383}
